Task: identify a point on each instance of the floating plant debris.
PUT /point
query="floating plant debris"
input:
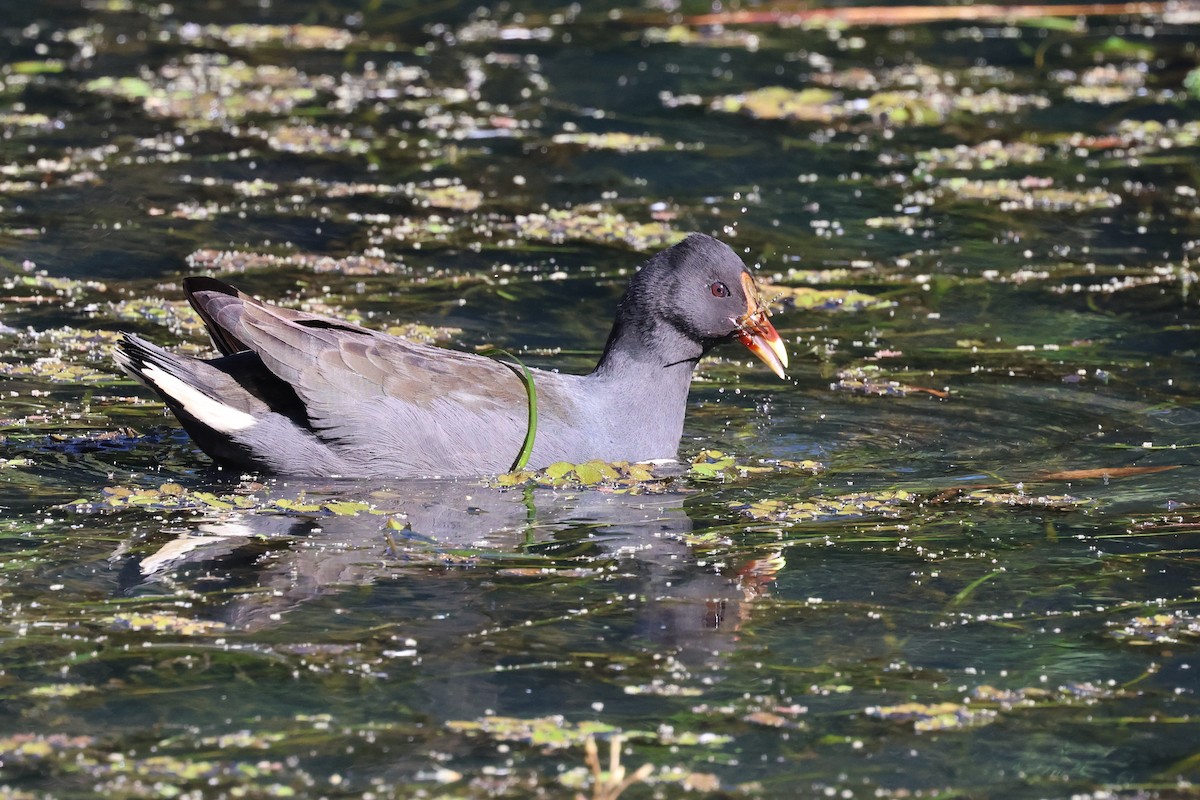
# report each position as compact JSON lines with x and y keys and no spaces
{"x":980,"y":228}
{"x":233,"y":261}
{"x":55,"y":370}
{"x":806,"y":297}
{"x":248,"y":35}
{"x":989,"y":155}
{"x":174,"y":315}
{"x":593,"y":224}
{"x":311,"y":139}
{"x":164,"y":622}
{"x":616,"y":476}
{"x":208,"y":91}
{"x":936,"y":716}
{"x":1029,"y":194}
{"x":871,"y":379}
{"x":621,"y":142}
{"x":624,"y":477}
{"x":1165,"y":628}
{"x":899,"y":107}
{"x":889,"y":503}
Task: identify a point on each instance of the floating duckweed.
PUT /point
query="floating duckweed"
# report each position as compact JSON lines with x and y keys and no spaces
{"x":448,"y":194}
{"x":26,"y":747}
{"x":55,"y":370}
{"x":1101,"y":95}
{"x":893,"y":503}
{"x":592,"y":224}
{"x":936,"y":717}
{"x":34,"y":287}
{"x":986,"y":702}
{"x":243,"y":261}
{"x":871,"y":379}
{"x":620,"y":142}
{"x":717,"y":465}
{"x":174,"y":315}
{"x":490,"y":30}
{"x":95,"y":343}
{"x":809,"y":298}
{"x":49,"y":66}
{"x":312,"y":139}
{"x":924,"y":78}
{"x":1143,"y":135}
{"x":427,"y":334}
{"x":990,"y":497}
{"x":1166,"y":628}
{"x":209,"y":90}
{"x":706,"y":36}
{"x":61,"y":690}
{"x":992,"y":154}
{"x":255,"y":188}
{"x":619,"y":476}
{"x":163,"y":622}
{"x":298,"y":37}
{"x":174,"y":497}
{"x":1029,"y":194}
{"x":415,"y":231}
{"x":778,"y":102}
{"x":552,"y":732}
{"x":887,"y":503}
{"x":898,"y":107}
{"x":10,"y":119}
{"x":624,"y":477}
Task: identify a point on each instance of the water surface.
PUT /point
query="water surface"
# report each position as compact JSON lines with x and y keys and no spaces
{"x":954,"y":555}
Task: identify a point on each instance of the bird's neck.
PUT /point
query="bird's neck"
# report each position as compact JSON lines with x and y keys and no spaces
{"x":644,"y":377}
{"x":647,"y":352}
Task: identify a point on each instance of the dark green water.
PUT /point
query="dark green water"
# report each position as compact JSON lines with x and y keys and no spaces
{"x":989,"y":589}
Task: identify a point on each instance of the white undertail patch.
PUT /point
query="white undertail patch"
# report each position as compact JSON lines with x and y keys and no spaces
{"x":213,"y":413}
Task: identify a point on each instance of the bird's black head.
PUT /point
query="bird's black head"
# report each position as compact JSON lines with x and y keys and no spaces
{"x":697,"y":292}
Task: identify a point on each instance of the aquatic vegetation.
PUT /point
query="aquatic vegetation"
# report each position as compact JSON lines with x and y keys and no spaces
{"x":890,"y":504}
{"x":175,"y":497}
{"x":966,"y":525}
{"x":311,"y":139}
{"x":616,"y":476}
{"x":249,"y":36}
{"x":872,"y":379}
{"x":935,"y":717}
{"x":549,"y":732}
{"x":620,"y":142}
{"x":782,"y":296}
{"x":594,"y":224}
{"x":622,"y":477}
{"x":992,"y":154}
{"x":211,"y":90}
{"x":446,"y":193}
{"x":174,"y":315}
{"x":54,"y":370}
{"x":711,"y":36}
{"x":39,"y":287}
{"x":1028,"y":194}
{"x":895,"y":107}
{"x":236,"y":261}
{"x":1165,"y":628}
{"x":163,"y":622}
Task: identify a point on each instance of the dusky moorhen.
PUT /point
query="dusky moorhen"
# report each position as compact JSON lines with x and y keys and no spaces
{"x":300,"y":394}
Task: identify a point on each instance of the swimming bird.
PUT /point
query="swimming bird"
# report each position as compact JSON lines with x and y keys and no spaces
{"x":296,"y":393}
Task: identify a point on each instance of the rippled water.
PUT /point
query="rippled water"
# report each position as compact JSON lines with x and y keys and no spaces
{"x":985,"y":585}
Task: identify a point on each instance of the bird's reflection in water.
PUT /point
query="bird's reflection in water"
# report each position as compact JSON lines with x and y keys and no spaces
{"x":449,"y":526}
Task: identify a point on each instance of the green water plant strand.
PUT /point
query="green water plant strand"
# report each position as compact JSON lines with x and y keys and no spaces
{"x":530,"y":393}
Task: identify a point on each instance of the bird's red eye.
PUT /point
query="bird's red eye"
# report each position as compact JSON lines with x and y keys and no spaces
{"x":719,"y":289}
